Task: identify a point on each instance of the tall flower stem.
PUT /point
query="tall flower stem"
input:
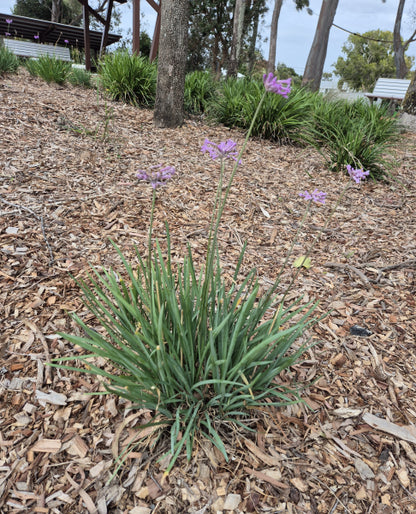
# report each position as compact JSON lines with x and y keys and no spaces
{"x":221,"y":203}
{"x":152,"y":214}
{"x":314,"y":243}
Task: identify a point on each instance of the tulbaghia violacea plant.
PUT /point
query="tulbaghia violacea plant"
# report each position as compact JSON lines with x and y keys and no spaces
{"x":280,"y":87}
{"x":196,"y":347}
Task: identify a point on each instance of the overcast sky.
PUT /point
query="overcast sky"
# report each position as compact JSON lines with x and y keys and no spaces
{"x":296,"y":29}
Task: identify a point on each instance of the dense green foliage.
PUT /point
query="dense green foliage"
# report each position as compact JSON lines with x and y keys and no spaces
{"x":367,"y":58}
{"x":8,"y":61}
{"x":279,"y":119}
{"x":345,"y":132}
{"x":79,"y":77}
{"x":211,"y":29}
{"x":354,"y":133}
{"x":49,"y":68}
{"x":128,"y":78}
{"x":199,"y":90}
{"x":41,"y":9}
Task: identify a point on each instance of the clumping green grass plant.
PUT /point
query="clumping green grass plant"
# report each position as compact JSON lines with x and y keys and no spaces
{"x":354,"y":132}
{"x":197,"y":349}
{"x":80,"y":77}
{"x":128,"y":78}
{"x":199,"y":90}
{"x":8,"y":61}
{"x":49,"y":68}
{"x":279,"y":119}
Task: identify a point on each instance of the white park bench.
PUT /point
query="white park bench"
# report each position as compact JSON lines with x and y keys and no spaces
{"x":389,"y":89}
{"x":29,"y":49}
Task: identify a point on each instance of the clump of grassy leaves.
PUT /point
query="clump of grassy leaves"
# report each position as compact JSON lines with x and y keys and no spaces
{"x":80,"y":77}
{"x":354,"y":133}
{"x":8,"y":61}
{"x":49,"y":68}
{"x":199,"y":91}
{"x":128,"y":78}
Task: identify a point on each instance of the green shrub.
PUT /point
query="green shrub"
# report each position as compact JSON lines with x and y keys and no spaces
{"x":279,"y":119}
{"x":354,"y":133}
{"x":128,"y":78}
{"x":79,"y":77}
{"x":49,"y":68}
{"x":199,"y":90}
{"x":8,"y":61}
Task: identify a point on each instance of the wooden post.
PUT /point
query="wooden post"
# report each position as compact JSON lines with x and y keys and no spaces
{"x":136,"y":27}
{"x":156,"y":35}
{"x":87,"y":47}
{"x":106,"y":28}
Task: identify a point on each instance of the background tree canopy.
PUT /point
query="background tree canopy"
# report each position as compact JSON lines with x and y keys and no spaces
{"x":42,"y":9}
{"x":367,"y":58}
{"x":211,"y":30}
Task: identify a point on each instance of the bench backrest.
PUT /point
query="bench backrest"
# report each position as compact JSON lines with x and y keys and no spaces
{"x":391,"y":88}
{"x":29,"y":49}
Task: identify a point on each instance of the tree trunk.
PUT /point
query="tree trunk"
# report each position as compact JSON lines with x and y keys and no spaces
{"x":401,"y":68}
{"x":253,"y":40}
{"x":271,"y":63}
{"x":169,"y":111}
{"x":238,"y":22}
{"x":56,"y":11}
{"x":409,"y":102}
{"x":316,"y":58}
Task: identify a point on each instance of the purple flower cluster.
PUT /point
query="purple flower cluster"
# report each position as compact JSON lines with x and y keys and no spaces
{"x":158,"y":177}
{"x":225,"y":150}
{"x":316,"y":196}
{"x":36,"y":36}
{"x":280,"y":87}
{"x":66,"y":41}
{"x":357,"y":175}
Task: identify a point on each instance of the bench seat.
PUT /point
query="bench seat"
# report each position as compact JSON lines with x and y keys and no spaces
{"x":28,"y":49}
{"x":389,"y":89}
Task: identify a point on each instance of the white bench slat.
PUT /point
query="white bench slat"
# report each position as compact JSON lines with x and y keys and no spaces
{"x":391,"y":89}
{"x":29,"y":49}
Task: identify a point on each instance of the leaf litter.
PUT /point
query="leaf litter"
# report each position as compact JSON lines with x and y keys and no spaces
{"x":67,"y":186}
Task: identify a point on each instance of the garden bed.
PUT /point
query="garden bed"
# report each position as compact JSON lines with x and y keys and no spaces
{"x":67,"y":185}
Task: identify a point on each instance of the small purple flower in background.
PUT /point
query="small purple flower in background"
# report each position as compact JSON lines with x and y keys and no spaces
{"x":66,"y":41}
{"x":357,"y":175}
{"x":223,"y":150}
{"x":36,"y":36}
{"x":280,"y":87}
{"x":157,"y":177}
{"x":316,"y":196}
{"x":7,"y":34}
{"x":9,"y":20}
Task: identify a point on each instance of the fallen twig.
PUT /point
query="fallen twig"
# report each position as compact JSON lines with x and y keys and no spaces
{"x":39,"y":218}
{"x":348,"y":267}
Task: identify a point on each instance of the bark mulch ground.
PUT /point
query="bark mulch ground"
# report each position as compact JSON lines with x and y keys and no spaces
{"x":67,"y":185}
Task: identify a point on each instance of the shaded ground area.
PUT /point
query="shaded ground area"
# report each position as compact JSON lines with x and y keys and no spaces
{"x":67,"y":185}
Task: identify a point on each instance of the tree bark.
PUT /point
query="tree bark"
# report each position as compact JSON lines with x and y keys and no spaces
{"x":238,"y":22}
{"x":271,"y":63}
{"x":316,"y":58}
{"x":409,"y":102}
{"x":253,"y":40}
{"x":56,"y":11}
{"x":169,"y":111}
{"x":401,"y":68}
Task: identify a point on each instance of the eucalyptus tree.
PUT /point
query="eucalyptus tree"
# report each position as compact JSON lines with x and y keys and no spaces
{"x":171,"y":65}
{"x":300,"y":4}
{"x":317,"y":54}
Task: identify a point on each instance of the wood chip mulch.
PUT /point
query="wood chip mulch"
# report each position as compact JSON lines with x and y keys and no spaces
{"x":68,"y":185}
